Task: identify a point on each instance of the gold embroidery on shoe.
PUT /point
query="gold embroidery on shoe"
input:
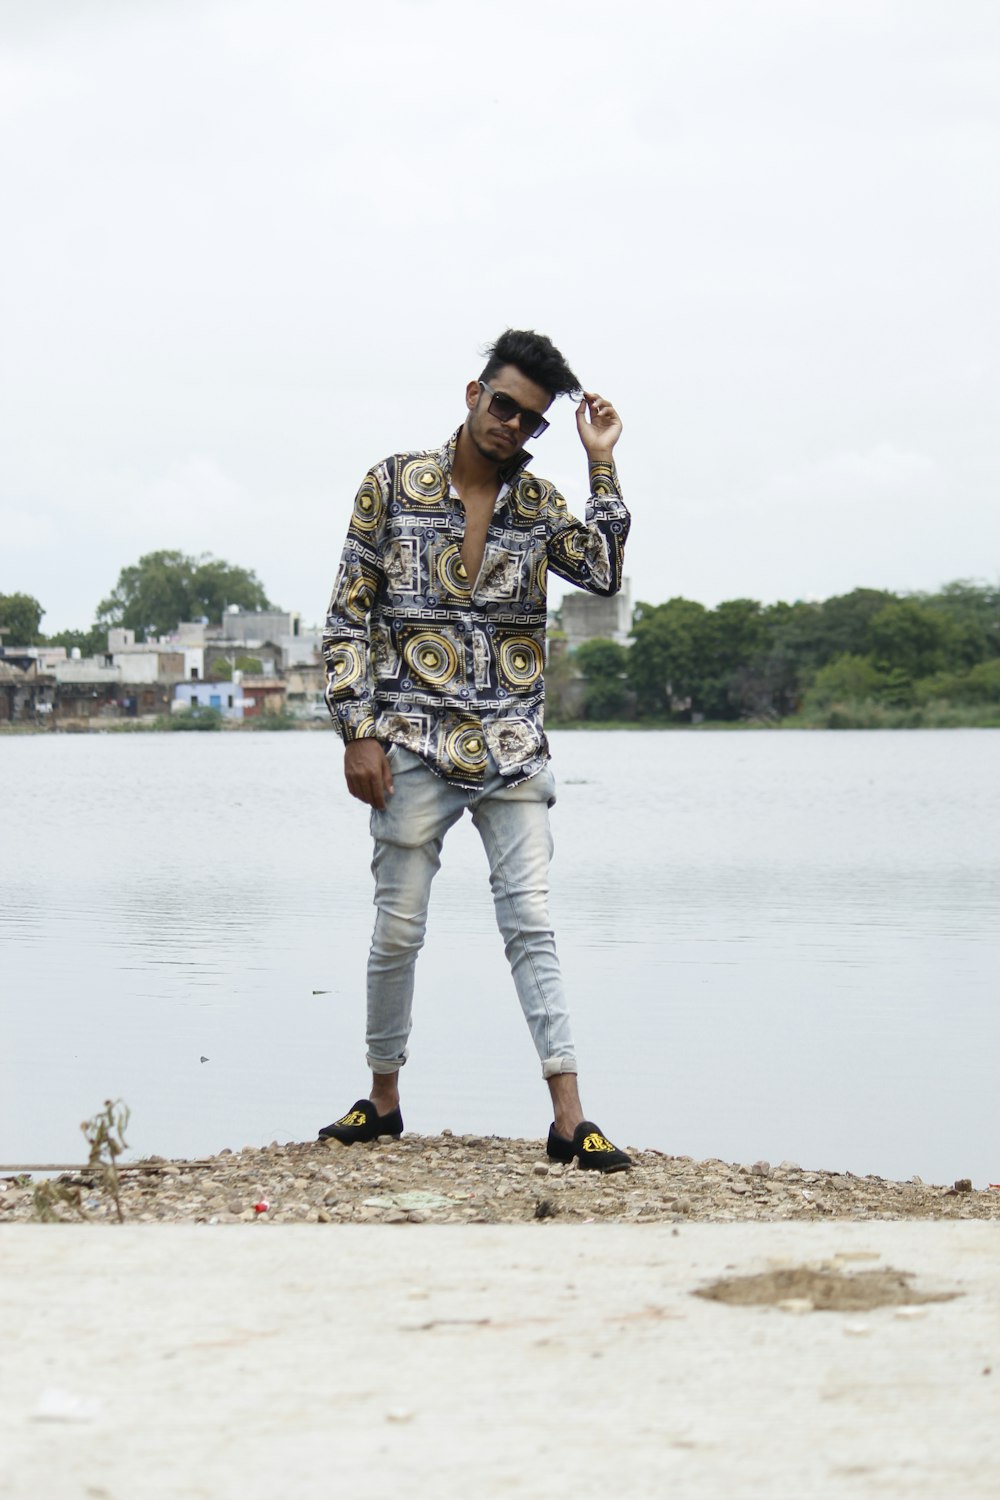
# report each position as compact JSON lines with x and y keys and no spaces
{"x":354,"y":1117}
{"x":596,"y":1142}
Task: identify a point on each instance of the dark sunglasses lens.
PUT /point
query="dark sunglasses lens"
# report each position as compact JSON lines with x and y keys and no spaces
{"x":531,"y":423}
{"x":504,"y":408}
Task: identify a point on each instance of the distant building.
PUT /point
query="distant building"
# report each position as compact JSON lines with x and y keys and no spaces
{"x":587,"y":617}
{"x":145,"y":661}
{"x":262,"y":695}
{"x":40,"y":684}
{"x":278,"y":631}
{"x":226,"y":697}
{"x":27,"y":693}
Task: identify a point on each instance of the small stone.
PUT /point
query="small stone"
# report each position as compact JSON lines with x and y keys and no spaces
{"x":909,"y":1314}
{"x":795,"y":1305}
{"x":761,"y":1169}
{"x":963,"y":1184}
{"x":400,"y":1414}
{"x":541,"y":1169}
{"x":857,"y":1330}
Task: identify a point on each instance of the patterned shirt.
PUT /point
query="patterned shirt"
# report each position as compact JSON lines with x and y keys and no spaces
{"x":419,"y":657}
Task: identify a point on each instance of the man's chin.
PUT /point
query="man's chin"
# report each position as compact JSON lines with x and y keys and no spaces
{"x":495,"y":449}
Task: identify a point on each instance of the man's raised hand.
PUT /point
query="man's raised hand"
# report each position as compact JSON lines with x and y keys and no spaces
{"x":599,"y":426}
{"x":368,"y":773}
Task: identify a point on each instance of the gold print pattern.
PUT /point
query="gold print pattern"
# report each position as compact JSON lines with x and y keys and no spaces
{"x":451,"y":573}
{"x":520,"y":661}
{"x":422,"y":481}
{"x":431,"y":658}
{"x":596,"y":1142}
{"x":345,"y":665}
{"x":369,"y":507}
{"x":467,"y":749}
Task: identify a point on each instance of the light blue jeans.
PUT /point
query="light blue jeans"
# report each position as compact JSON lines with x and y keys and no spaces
{"x":513,"y":823}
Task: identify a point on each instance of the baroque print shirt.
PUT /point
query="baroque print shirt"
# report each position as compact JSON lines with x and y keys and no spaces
{"x":419,"y":655}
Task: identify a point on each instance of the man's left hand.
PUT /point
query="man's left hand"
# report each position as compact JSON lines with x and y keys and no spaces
{"x":599,"y":426}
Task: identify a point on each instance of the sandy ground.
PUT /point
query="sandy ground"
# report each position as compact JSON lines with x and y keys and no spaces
{"x":541,"y":1359}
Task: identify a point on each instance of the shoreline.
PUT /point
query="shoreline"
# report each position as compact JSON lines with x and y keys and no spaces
{"x":449,"y":1179}
{"x":596,"y":726}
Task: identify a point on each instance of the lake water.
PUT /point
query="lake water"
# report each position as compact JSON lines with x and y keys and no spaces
{"x":780,"y":945}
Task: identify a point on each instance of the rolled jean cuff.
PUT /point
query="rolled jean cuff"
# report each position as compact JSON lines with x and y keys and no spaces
{"x":553,"y":1065}
{"x":388,"y":1065}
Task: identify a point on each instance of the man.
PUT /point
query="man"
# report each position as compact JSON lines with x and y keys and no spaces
{"x":434,"y":650}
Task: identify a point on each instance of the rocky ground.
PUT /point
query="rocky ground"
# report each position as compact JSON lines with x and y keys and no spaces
{"x":462,"y":1179}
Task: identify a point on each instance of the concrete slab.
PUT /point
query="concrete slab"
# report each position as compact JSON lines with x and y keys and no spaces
{"x":541,"y":1360}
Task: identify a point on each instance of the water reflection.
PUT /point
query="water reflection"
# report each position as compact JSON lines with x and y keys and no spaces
{"x":779,"y":945}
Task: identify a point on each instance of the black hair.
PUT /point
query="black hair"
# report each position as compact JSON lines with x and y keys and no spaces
{"x":536,"y":357}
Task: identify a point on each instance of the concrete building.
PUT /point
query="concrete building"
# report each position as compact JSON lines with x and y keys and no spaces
{"x":225,"y":697}
{"x":144,"y":661}
{"x":27,"y":691}
{"x":278,"y":633}
{"x":587,"y":617}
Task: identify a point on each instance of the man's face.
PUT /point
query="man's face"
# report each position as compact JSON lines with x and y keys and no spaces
{"x":495,"y":439}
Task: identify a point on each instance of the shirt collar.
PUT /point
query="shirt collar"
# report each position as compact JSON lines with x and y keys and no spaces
{"x":508,"y":473}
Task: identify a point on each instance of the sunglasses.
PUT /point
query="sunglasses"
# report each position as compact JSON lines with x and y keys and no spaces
{"x":531,"y":423}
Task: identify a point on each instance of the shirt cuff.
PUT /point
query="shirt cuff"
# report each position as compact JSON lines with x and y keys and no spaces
{"x":354,"y":721}
{"x":604,"y":480}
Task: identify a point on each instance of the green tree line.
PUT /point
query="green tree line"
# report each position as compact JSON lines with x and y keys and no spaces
{"x":870,"y":656}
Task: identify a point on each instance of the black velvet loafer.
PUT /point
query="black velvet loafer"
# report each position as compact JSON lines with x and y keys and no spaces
{"x":363,"y":1123}
{"x":592,"y":1149}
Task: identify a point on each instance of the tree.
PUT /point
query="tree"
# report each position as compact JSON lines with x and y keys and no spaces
{"x":846,"y":679}
{"x":603,"y":664}
{"x":845,"y":621}
{"x":667,"y":657}
{"x":155,"y":594}
{"x":735,"y":633}
{"x":974,"y":610}
{"x":20,"y":617}
{"x":908,"y":637}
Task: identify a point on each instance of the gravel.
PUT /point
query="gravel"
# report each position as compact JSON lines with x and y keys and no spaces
{"x":463,"y":1179}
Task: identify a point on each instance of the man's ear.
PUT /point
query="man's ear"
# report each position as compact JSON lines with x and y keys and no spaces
{"x":472,"y":393}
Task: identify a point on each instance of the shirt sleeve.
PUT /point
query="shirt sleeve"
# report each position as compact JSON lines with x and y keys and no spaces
{"x":350,"y":686}
{"x":591,"y":554}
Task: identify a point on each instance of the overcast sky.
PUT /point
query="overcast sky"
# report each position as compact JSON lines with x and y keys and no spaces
{"x":252,"y":246}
